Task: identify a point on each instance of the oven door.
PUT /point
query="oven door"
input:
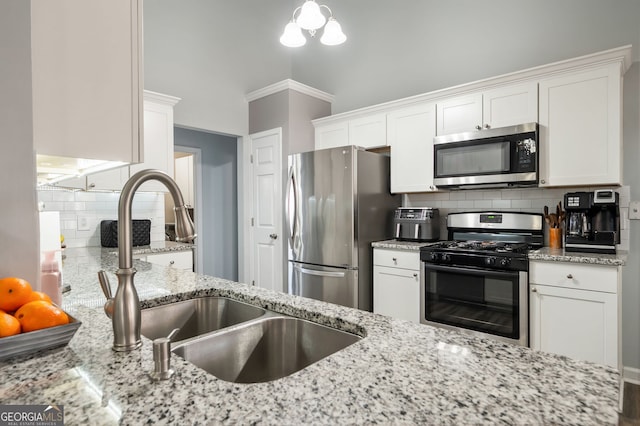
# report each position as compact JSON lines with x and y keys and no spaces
{"x":491,"y":303}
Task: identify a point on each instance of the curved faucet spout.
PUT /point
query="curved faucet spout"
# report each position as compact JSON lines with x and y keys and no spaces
{"x":126,"y":306}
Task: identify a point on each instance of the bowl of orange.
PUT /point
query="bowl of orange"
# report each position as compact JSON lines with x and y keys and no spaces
{"x":29,"y":321}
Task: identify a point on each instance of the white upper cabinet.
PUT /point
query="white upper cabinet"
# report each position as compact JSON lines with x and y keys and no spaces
{"x":369,"y":131}
{"x":580,"y":128}
{"x":410,"y":133}
{"x":332,"y":135}
{"x":498,"y":107}
{"x":86,"y":65}
{"x":158,"y":138}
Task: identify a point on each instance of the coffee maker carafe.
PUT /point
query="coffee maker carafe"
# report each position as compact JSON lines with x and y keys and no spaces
{"x":593,"y":221}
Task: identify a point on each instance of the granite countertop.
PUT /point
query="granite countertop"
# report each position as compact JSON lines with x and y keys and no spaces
{"x":560,"y":255}
{"x":400,"y":245}
{"x":399,"y":372}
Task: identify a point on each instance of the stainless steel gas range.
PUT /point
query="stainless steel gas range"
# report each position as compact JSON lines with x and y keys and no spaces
{"x":478,"y":281}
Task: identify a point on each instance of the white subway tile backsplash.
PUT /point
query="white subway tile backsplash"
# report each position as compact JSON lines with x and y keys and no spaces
{"x":482,"y":204}
{"x":521,"y":204}
{"x":501,"y":204}
{"x":457,"y":195}
{"x":98,"y":206}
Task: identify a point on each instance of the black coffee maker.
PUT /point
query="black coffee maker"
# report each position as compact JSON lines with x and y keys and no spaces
{"x":592,"y":221}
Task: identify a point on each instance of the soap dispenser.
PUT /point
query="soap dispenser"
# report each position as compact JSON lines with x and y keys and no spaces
{"x":51,"y":277}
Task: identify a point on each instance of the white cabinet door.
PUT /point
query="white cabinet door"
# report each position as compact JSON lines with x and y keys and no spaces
{"x":580,"y":128}
{"x":499,"y":107}
{"x":158,"y":138}
{"x":396,"y":293}
{"x":177,"y":259}
{"x":109,"y":180}
{"x":577,"y":323}
{"x":332,"y":135}
{"x":86,"y":66}
{"x":183,"y":173}
{"x":510,"y":105}
{"x":460,"y":114}
{"x":369,"y":131}
{"x":410,"y":134}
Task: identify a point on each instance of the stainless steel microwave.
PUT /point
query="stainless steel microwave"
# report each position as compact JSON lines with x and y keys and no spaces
{"x":501,"y":157}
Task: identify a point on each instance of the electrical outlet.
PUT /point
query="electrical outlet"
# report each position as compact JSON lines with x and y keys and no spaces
{"x":83,"y":223}
{"x":634,"y":210}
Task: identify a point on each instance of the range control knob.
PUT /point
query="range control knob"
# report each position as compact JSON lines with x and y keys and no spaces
{"x":505,"y":261}
{"x":446,"y":257}
{"x":433,"y":256}
{"x":490,"y":261}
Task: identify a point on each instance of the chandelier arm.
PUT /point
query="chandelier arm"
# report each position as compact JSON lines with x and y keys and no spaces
{"x":293,"y":15}
{"x":327,"y":7}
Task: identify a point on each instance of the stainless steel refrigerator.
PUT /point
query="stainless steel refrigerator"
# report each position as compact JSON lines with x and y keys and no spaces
{"x":338,"y":202}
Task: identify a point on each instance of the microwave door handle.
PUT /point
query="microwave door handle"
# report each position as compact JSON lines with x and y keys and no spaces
{"x":417,"y":231}
{"x":397,"y":230}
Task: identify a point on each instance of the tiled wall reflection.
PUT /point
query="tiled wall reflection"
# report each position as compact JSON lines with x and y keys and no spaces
{"x":519,"y":200}
{"x":78,"y":208}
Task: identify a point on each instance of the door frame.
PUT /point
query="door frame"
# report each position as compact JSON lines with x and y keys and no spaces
{"x":245,"y":211}
{"x":197,"y":179}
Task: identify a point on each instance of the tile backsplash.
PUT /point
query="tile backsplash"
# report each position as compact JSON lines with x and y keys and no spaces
{"x":530,"y":200}
{"x":85,"y":210}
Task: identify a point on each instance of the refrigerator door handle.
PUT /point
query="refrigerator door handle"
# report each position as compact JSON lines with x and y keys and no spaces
{"x":291,"y":216}
{"x":320,"y":273}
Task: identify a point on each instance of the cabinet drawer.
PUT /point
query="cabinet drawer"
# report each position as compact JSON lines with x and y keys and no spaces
{"x":178,"y":259}
{"x":397,"y":258}
{"x":576,"y":276}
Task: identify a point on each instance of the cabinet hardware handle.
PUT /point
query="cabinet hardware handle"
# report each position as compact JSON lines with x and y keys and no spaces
{"x":543,"y":181}
{"x":171,"y":262}
{"x":570,"y":276}
{"x":478,"y":127}
{"x":415,"y":275}
{"x":394,"y":259}
{"x":431,"y":187}
{"x":534,"y":290}
{"x":92,"y":185}
{"x":486,"y":126}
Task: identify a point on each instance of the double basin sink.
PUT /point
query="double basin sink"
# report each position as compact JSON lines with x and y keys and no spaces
{"x":242,"y":343}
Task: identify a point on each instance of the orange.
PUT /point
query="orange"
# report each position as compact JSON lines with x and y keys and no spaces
{"x":9,"y":325}
{"x":40,"y":314}
{"x":14,"y":292}
{"x":38,"y":295}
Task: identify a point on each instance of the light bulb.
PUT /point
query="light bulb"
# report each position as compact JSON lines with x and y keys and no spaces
{"x":333,"y":34}
{"x":310,"y":17}
{"x":292,"y":36}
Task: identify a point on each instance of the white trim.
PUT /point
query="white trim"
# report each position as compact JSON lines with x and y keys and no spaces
{"x":197,"y":167}
{"x":631,"y":375}
{"x":620,"y":55}
{"x":290,"y":85}
{"x":244,"y":207}
{"x":160,"y":97}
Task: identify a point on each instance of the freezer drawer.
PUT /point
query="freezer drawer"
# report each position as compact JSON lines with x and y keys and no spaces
{"x":329,"y":284}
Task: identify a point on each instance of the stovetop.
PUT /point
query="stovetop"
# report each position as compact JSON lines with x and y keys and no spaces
{"x":490,"y":255}
{"x":486,"y":247}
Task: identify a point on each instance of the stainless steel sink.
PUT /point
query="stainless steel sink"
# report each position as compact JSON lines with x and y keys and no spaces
{"x":265,"y":349}
{"x":196,"y":316}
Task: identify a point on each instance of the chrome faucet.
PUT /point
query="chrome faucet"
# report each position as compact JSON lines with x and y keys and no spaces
{"x":124,"y":308}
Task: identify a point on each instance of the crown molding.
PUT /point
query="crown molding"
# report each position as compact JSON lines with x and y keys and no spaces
{"x":161,"y":97}
{"x":289,"y":84}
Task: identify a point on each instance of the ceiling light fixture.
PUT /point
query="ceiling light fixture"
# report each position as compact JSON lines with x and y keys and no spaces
{"x":310,"y":18}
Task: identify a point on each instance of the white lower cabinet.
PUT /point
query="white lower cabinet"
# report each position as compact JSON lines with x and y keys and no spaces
{"x":396,"y":283}
{"x":575,"y":310}
{"x":175,"y":259}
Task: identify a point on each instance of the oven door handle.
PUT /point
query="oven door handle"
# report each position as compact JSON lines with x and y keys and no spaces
{"x":469,"y":270}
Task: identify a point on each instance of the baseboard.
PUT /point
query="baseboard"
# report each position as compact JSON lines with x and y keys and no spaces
{"x":631,"y":375}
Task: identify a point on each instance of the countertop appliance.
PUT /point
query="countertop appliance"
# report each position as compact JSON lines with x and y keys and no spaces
{"x":501,"y":157}
{"x":593,"y":221}
{"x":338,"y":203}
{"x":478,"y":281}
{"x":416,"y":224}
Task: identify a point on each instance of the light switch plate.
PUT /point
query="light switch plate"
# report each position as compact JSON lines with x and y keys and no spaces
{"x":83,"y":223}
{"x":634,"y":210}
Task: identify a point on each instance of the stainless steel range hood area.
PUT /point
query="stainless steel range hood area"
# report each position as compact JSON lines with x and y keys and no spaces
{"x":53,"y":169}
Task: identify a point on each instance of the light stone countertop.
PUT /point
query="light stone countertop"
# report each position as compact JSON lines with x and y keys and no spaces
{"x":400,"y":372}
{"x":400,"y":245}
{"x":560,"y":255}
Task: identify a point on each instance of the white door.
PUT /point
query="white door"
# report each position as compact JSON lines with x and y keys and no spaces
{"x":266,"y":252}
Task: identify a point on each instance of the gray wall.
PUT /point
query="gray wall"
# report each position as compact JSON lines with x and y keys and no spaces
{"x":400,"y":49}
{"x":219,"y":200}
{"x":211,"y":53}
{"x":18,"y":215}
